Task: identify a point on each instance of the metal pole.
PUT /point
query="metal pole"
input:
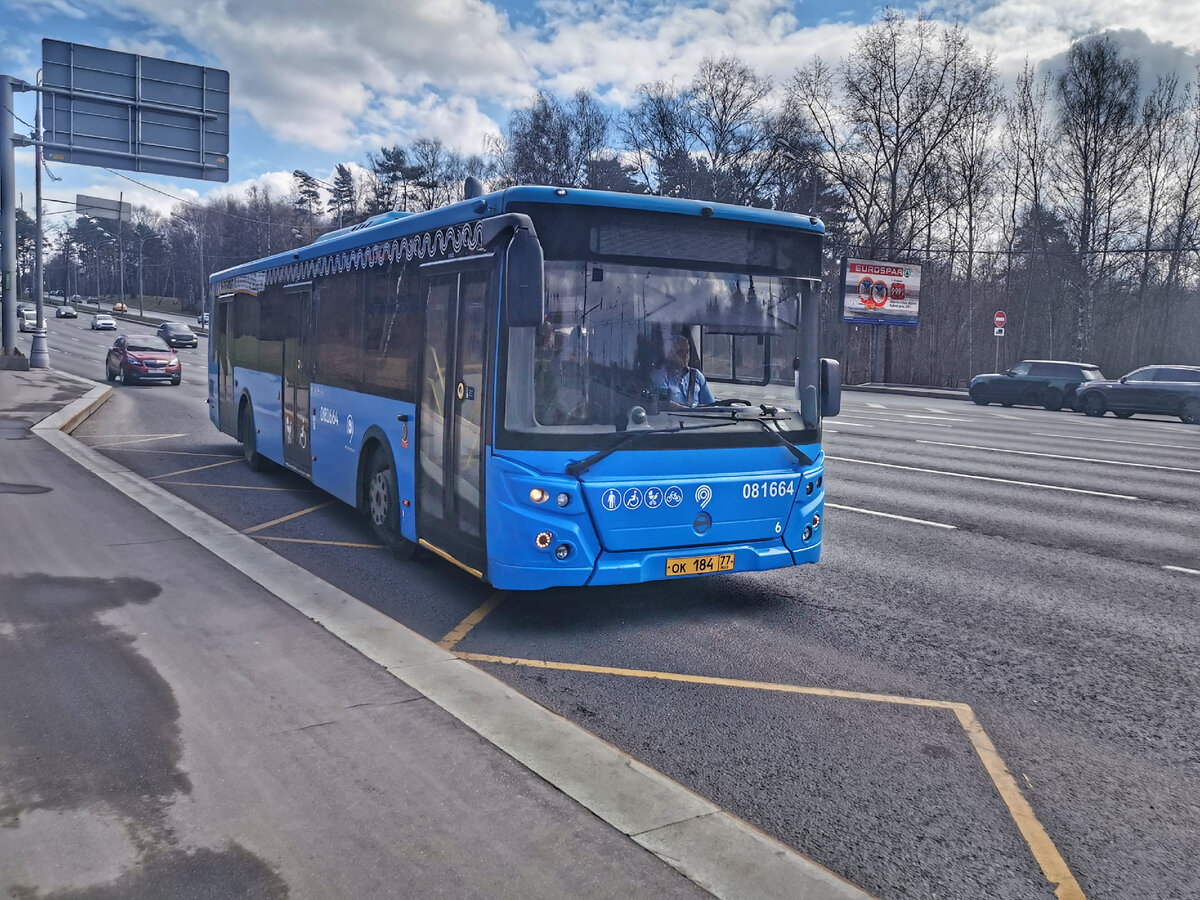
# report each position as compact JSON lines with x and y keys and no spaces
{"x":8,"y":220}
{"x":39,"y":353}
{"x":121,"y":242}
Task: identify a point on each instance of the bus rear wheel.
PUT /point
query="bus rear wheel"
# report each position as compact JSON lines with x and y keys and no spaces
{"x":249,"y":437}
{"x":383,"y":506}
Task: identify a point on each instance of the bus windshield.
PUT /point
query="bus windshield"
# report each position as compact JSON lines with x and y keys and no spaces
{"x":637,"y":346}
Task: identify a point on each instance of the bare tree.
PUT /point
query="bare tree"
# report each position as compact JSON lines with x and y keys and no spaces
{"x":729,"y":122}
{"x":1097,"y":101}
{"x":655,"y":131}
{"x":886,"y":113}
{"x":439,"y":168}
{"x":885,"y":116}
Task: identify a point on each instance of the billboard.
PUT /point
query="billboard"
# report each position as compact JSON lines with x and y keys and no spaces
{"x":880,"y":293}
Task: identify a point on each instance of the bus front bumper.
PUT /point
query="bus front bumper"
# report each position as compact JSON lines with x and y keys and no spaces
{"x":634,"y":568}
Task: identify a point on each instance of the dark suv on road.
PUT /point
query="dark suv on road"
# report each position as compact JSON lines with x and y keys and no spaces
{"x":1165,"y":390}
{"x":177,"y":334}
{"x":1034,"y":382}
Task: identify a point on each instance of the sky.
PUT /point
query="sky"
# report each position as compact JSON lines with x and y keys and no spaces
{"x":315,"y":83}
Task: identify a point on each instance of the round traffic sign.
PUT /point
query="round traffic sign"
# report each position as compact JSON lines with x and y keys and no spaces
{"x":1000,"y":318}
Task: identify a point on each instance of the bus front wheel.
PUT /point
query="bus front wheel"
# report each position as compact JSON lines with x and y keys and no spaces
{"x":383,"y":506}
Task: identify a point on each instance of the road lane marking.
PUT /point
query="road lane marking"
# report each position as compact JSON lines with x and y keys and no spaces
{"x":1053,"y":866}
{"x":284,"y":540}
{"x":873,"y":512}
{"x":228,"y":462}
{"x":464,"y":627}
{"x":166,"y":452}
{"x":1079,"y":437}
{"x":241,"y":487}
{"x":288,"y":517}
{"x":1032,"y":484}
{"x":1110,"y":462}
{"x":1182,"y":569}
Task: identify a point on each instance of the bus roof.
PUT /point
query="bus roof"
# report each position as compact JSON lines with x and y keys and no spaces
{"x":398,"y":224}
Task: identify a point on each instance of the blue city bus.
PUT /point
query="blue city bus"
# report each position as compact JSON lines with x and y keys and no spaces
{"x":486,"y":380}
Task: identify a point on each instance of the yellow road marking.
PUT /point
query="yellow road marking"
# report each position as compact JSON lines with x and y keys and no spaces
{"x":242,"y":487}
{"x":284,"y":540}
{"x":288,"y":517}
{"x":1053,"y":866}
{"x":164,"y":452}
{"x":464,"y":627}
{"x":227,"y":462}
{"x":448,"y":558}
{"x":147,"y":437}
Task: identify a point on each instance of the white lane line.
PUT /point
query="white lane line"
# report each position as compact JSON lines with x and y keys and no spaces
{"x":854,"y":424}
{"x":1032,"y":484}
{"x":1109,"y":462}
{"x":1078,"y":437}
{"x":876,"y":406}
{"x":943,"y":417}
{"x":891,"y":418}
{"x":874,"y":512}
{"x":1169,"y":568}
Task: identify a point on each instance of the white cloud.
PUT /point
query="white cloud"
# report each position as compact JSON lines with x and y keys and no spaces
{"x":308,"y":70}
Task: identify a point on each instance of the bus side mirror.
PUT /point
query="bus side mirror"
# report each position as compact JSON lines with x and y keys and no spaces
{"x":831,"y":387}
{"x":524,"y":293}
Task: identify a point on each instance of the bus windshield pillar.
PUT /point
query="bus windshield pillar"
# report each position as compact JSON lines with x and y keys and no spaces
{"x":808,"y":371}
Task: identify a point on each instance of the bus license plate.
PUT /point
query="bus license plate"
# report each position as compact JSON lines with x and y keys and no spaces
{"x":699,"y":565}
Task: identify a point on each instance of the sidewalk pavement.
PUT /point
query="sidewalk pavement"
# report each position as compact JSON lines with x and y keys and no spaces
{"x":169,"y":727}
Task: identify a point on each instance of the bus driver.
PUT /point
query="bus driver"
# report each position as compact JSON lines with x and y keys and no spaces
{"x":676,"y":380}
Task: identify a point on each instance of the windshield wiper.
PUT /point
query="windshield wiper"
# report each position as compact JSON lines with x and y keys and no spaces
{"x":737,"y":414}
{"x":582,"y":465}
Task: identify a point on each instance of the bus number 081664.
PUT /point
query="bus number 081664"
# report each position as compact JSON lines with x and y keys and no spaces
{"x":753,"y":490}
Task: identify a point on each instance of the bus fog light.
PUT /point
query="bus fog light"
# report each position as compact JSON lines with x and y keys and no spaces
{"x":543,"y":540}
{"x":538,"y":495}
{"x":562,"y":551}
{"x":563,"y":499}
{"x":808,"y":488}
{"x":816,"y":521}
{"x":808,"y":533}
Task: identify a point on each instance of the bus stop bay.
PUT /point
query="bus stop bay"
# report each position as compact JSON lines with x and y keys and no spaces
{"x":405,"y":374}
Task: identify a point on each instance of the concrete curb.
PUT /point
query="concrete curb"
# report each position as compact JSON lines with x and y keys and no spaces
{"x":710,"y":846}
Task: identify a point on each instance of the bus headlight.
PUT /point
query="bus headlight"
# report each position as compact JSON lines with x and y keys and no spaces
{"x":543,"y":540}
{"x":563,"y":499}
{"x":562,"y":551}
{"x":539,"y":495}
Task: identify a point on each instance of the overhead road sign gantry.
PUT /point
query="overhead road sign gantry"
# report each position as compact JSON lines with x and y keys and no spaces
{"x":108,"y":108}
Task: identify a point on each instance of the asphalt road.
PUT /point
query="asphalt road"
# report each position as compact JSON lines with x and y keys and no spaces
{"x":991,"y":678}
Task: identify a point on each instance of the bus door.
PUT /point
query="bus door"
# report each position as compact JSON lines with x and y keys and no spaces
{"x":299,"y":352}
{"x":220,"y":330}
{"x":454,"y":395}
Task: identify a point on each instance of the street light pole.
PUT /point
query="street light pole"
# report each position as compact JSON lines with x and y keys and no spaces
{"x":39,"y":354}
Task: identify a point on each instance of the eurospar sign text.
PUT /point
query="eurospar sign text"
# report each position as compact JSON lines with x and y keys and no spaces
{"x":880,"y":293}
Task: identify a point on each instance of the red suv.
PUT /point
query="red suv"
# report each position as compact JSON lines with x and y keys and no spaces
{"x":142,"y":357}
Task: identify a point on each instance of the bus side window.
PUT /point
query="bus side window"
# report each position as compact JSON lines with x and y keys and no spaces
{"x":390,"y":324}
